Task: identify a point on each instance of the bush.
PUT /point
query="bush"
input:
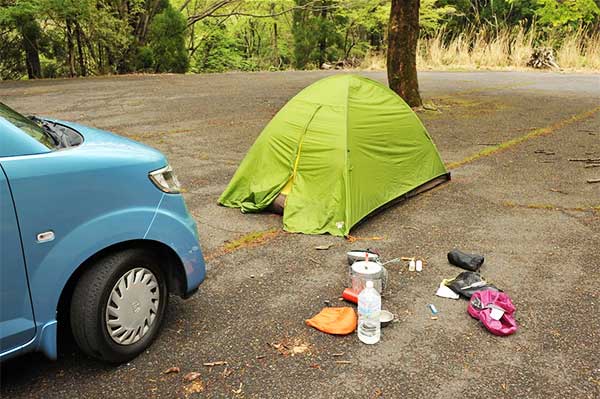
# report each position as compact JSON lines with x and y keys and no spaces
{"x":219,"y":52}
{"x":144,"y":60}
{"x":51,"y":68}
{"x":166,"y":42}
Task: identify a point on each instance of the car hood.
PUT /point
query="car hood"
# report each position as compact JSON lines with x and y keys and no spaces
{"x":100,"y":141}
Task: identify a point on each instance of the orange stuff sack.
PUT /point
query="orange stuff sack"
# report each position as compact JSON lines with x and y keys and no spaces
{"x":338,"y":321}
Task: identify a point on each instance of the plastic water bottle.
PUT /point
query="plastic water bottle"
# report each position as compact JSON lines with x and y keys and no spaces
{"x":369,"y":310}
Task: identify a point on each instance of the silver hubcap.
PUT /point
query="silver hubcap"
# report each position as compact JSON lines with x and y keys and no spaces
{"x":132,"y":306}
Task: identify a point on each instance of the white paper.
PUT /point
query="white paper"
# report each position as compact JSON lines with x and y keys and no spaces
{"x":496,"y":313}
{"x":446,"y":292}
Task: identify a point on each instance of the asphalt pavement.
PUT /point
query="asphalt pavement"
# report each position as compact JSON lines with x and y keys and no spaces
{"x":515,"y":197}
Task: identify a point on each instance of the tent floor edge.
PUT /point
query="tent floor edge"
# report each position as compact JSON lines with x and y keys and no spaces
{"x":436,"y":181}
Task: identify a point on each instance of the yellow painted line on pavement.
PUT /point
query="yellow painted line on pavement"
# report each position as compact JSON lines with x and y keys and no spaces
{"x":551,"y":207}
{"x":486,"y":152}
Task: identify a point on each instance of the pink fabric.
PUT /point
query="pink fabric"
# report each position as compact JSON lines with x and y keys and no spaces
{"x":480,"y":308}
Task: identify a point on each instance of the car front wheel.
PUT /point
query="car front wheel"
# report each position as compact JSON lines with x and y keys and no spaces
{"x":118,"y":305}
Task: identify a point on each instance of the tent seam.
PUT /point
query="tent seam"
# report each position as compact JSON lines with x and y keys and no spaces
{"x":347,"y":165}
{"x":296,"y":161}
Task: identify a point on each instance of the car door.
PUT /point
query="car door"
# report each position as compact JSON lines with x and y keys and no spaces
{"x":17,"y":325}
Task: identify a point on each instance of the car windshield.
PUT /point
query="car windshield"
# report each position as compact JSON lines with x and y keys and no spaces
{"x":26,"y":125}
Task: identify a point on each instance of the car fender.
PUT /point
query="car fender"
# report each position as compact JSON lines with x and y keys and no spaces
{"x":164,"y":225}
{"x":71,"y":251}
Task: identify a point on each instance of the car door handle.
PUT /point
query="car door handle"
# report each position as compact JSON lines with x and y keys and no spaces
{"x":45,"y":236}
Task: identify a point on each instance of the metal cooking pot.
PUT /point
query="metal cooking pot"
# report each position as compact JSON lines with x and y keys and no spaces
{"x":359,"y":254}
{"x":363,"y":271}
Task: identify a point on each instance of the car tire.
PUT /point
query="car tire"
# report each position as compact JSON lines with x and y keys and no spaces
{"x":118,"y":305}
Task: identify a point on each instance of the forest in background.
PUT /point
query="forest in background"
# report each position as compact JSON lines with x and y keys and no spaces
{"x":68,"y":38}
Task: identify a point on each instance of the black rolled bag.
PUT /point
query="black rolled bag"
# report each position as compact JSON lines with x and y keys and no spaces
{"x":471,"y":262}
{"x":468,"y":283}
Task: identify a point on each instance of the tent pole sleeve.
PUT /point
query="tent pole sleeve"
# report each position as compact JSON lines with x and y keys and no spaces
{"x":300,"y":142}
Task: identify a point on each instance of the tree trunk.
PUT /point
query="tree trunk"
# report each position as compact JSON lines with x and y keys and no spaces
{"x":403,"y":36}
{"x":70,"y":49}
{"x":78,"y":36}
{"x":101,"y":60}
{"x":275,"y":61}
{"x":30,"y":33}
{"x":110,"y":60}
{"x":32,"y":58}
{"x":322,"y":37}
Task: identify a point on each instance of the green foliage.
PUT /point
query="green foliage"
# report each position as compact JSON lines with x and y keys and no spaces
{"x":362,"y":27}
{"x":166,"y":42}
{"x":432,"y":16}
{"x":20,"y":37}
{"x":144,"y":59}
{"x":217,"y":51}
{"x":555,"y":13}
{"x":12,"y":63}
{"x":86,"y":37}
{"x":51,"y":68}
{"x":316,"y":37}
{"x":240,"y":42}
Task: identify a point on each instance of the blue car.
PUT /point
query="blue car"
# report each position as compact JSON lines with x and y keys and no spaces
{"x":94,"y":236}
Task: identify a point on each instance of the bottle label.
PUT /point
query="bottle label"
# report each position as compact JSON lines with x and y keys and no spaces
{"x":363,"y":310}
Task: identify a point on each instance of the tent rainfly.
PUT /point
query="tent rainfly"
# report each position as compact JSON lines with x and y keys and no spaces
{"x":339,"y":150}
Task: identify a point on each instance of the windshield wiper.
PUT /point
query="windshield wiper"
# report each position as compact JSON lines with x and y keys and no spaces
{"x":54,"y":134}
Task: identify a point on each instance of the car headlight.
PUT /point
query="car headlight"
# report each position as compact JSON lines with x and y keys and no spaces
{"x":165,"y":180}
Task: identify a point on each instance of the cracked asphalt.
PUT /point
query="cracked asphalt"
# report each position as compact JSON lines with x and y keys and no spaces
{"x":524,"y":206}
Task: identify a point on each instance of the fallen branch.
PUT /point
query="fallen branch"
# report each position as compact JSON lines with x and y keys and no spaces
{"x":555,"y":190}
{"x":592,"y":165}
{"x":584,"y":159}
{"x":590,"y":181}
{"x":352,"y":239}
{"x":409,"y":227}
{"x":212,"y":364}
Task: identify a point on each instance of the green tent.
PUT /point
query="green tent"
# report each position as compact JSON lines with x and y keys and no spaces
{"x":339,"y":150}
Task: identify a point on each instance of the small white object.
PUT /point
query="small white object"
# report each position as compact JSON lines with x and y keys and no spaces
{"x":45,"y":236}
{"x":419,"y":265}
{"x":445,"y":292}
{"x":411,"y":265}
{"x":496,"y":313}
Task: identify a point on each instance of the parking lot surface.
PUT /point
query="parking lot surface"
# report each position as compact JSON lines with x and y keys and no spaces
{"x":515,"y":197}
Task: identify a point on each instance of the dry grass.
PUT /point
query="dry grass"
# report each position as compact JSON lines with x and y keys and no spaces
{"x":580,"y":51}
{"x":250,"y":240}
{"x":373,"y":62}
{"x":503,"y":49}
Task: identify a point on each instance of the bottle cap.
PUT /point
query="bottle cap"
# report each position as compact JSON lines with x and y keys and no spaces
{"x":369,"y":284}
